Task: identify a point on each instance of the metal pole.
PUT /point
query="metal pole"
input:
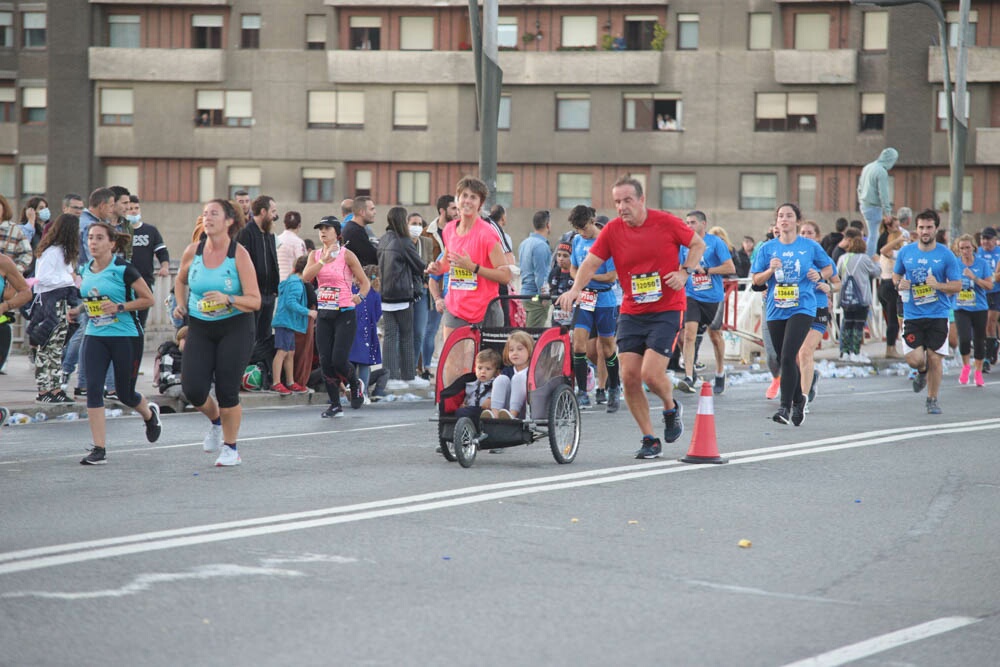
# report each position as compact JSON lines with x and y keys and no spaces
{"x":491,"y":78}
{"x":960,"y":123}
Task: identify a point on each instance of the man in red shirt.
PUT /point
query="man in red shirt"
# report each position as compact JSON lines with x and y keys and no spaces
{"x":644,"y":244}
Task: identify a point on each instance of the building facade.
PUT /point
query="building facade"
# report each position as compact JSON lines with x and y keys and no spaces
{"x":729,"y":106}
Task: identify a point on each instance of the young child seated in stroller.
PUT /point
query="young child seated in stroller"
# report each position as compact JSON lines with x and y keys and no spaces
{"x":510,"y":394}
{"x":478,"y":393}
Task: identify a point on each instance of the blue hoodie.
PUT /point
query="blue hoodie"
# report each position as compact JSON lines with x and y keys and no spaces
{"x":873,"y":186}
{"x":291,"y":311}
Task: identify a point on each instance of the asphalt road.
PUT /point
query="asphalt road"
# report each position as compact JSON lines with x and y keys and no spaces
{"x":873,"y":531}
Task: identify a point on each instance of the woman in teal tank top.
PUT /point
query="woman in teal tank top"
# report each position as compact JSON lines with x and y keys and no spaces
{"x":14,"y":293}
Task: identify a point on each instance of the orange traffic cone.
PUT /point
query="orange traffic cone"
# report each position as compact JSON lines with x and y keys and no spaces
{"x":704,"y":448}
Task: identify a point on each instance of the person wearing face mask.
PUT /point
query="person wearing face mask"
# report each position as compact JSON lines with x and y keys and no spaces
{"x":33,"y":216}
{"x":401,"y":269}
{"x":422,"y":304}
{"x":147,"y":246}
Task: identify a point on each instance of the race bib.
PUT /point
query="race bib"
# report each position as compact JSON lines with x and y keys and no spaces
{"x":701,"y":281}
{"x":786,"y":296}
{"x":328,"y":298}
{"x":967,"y":297}
{"x":646,"y":288}
{"x":588,"y":300}
{"x":462,"y":279}
{"x":95,"y":312}
{"x":923,"y":294}
{"x":561,"y":317}
{"x":211,"y":308}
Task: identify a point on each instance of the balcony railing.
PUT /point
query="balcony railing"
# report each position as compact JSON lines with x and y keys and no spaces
{"x":984,"y":64}
{"x":838,"y":66}
{"x":181,"y":65}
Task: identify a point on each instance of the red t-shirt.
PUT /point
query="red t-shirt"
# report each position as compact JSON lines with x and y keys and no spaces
{"x":643,"y":257}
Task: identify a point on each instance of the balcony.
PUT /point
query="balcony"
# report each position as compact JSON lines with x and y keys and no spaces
{"x":984,"y":64}
{"x":200,"y":3}
{"x":178,"y":65}
{"x":987,"y":145}
{"x":838,"y":66}
{"x":549,"y":68}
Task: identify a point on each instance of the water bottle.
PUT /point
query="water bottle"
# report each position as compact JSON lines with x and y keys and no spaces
{"x":40,"y":417}
{"x":18,"y":418}
{"x":779,"y":274}
{"x":68,"y":417}
{"x":904,"y":294}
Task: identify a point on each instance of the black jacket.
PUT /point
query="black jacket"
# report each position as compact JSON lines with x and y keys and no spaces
{"x":45,"y":314}
{"x":264,"y":253}
{"x":400,"y":268}
{"x":356,"y":239}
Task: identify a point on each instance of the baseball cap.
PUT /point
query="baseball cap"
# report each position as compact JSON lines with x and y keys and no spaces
{"x":988,"y":233}
{"x":328,"y":221}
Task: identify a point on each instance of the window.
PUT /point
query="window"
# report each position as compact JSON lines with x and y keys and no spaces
{"x":687,"y":31}
{"x":503,"y":122}
{"x":807,"y":191}
{"x":677,"y":192}
{"x":34,"y":30}
{"x":876,"y":32}
{"x":239,"y":108}
{"x":317,"y":184}
{"x":953,"y":24}
{"x":244,"y":178}
{"x":579,"y":31}
{"x":123,"y":31}
{"x":117,"y":106}
{"x":812,"y":32}
{"x":639,"y":32}
{"x":507,"y":37}
{"x":32,"y":180}
{"x":872,"y":112}
{"x":413,"y":187}
{"x":572,"y":111}
{"x":647,"y":112}
{"x":365,"y":32}
{"x":125,"y":175}
{"x":7,"y":181}
{"x":786,"y":112}
{"x":760,"y":32}
{"x":363,"y":183}
{"x":7,"y":33}
{"x":233,"y":108}
{"x":206,"y":183}
{"x":409,"y":110}
{"x":315,"y":32}
{"x":8,"y":98}
{"x":206,"y":31}
{"x":942,"y":109}
{"x":330,"y":109}
{"x":942,"y":193}
{"x":33,"y":104}
{"x":573,"y":189}
{"x":416,"y":33}
{"x":505,"y":190}
{"x":758,"y":191}
{"x":250,"y":31}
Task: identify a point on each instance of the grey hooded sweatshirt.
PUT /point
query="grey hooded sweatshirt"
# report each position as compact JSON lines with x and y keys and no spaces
{"x":873,"y":187}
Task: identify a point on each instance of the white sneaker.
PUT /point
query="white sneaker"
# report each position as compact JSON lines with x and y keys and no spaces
{"x":419,"y":383}
{"x":213,"y":439}
{"x":228,"y":457}
{"x":396,"y":385}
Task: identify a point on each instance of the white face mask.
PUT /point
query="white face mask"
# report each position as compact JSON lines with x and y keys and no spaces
{"x":416,"y":230}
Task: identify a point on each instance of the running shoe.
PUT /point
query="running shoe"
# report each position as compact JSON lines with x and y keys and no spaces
{"x":583,"y":400}
{"x":418,"y":383}
{"x":111,"y":395}
{"x":486,"y":414}
{"x":96,"y":457}
{"x":812,"y":389}
{"x":687,"y":385}
{"x":279,"y":388}
{"x":61,"y":397}
{"x":600,"y":397}
{"x":153,"y":425}
{"x":213,"y":439}
{"x":919,"y":382}
{"x":357,"y":393}
{"x":673,"y":423}
{"x":773,"y":389}
{"x":228,"y":457}
{"x":651,"y":448}
{"x":699,"y":365}
{"x":80,"y":391}
{"x":296,"y":388}
{"x":333,"y":411}
{"x":720,"y":384}
{"x":396,"y":385}
{"x":43,"y":398}
{"x":980,"y":382}
{"x":799,"y":411}
{"x":504,"y":413}
{"x":963,"y":377}
{"x":932,"y":407}
{"x":986,"y":366}
{"x":782,"y":416}
{"x":614,"y":399}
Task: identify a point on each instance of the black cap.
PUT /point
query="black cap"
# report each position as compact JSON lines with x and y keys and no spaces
{"x":601,"y":220}
{"x":988,"y":233}
{"x":328,"y":221}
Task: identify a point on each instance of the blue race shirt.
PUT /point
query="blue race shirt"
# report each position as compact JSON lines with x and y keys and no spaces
{"x":703,"y":287}
{"x":223,"y":278}
{"x":113,"y":284}
{"x":973,"y":297}
{"x":795,"y":294}
{"x":605,"y":295}
{"x":914,"y":264}
{"x":992,"y":258}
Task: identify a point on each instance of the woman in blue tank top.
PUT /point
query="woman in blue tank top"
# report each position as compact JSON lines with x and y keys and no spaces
{"x":217,"y":292}
{"x":14,"y":293}
{"x":113,"y":291}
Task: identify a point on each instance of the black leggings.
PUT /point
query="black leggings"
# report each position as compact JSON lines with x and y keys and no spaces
{"x":971,"y":326}
{"x":334,"y":338}
{"x":787,"y":337}
{"x":889,"y":298}
{"x":99,"y":353}
{"x":218,"y":351}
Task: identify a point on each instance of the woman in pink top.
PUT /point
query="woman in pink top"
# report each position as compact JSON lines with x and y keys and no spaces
{"x":474,"y":261}
{"x":333,"y":267}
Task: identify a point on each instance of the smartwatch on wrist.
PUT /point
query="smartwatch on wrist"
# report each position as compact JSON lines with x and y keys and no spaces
{"x":121,"y":307}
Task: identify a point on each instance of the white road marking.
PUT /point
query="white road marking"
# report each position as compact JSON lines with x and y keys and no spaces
{"x":56,"y":555}
{"x":891,"y":640}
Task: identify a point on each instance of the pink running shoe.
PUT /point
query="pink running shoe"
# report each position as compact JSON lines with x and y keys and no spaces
{"x":963,"y":377}
{"x":980,"y":382}
{"x":773,"y":389}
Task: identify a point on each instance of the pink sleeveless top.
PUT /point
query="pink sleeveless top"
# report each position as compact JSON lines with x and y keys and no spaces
{"x":334,"y":280}
{"x":469,"y":294}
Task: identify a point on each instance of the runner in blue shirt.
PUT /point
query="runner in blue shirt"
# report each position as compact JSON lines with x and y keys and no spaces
{"x":971,"y":307}
{"x":926,"y":275}
{"x":989,"y":251}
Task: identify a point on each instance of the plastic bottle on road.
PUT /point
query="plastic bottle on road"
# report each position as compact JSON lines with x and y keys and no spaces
{"x":112,"y":412}
{"x":68,"y":417}
{"x":40,"y":417}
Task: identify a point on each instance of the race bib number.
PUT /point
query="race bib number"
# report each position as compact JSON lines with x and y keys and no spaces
{"x":96,"y":312}
{"x":561,"y":317}
{"x":923,"y":294}
{"x":646,"y":288}
{"x":328,"y":298}
{"x":701,"y":282}
{"x":967,"y":297}
{"x":462,"y":279}
{"x":588,"y":300}
{"x":786,"y":296}
{"x":210,"y":308}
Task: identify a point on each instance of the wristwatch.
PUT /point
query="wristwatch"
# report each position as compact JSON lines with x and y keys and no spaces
{"x":121,"y":307}
{"x":689,"y":270}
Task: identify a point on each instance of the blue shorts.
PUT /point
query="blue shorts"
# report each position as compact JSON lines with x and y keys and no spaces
{"x":822,"y":320}
{"x":603,"y":320}
{"x":651,"y":331}
{"x":993,"y":300}
{"x":284,"y":339}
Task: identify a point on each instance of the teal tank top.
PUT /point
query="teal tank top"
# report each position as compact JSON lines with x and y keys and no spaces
{"x":113,"y":284}
{"x":223,"y":278}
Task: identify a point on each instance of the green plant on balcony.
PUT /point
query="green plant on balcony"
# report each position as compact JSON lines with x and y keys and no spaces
{"x":577,"y":48}
{"x":659,"y":37}
{"x":530,"y":37}
{"x":607,"y":41}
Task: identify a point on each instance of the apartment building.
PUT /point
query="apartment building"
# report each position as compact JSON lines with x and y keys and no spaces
{"x":730,"y":106}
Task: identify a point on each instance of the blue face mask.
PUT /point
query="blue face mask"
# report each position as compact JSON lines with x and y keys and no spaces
{"x":133,"y":218}
{"x":44,"y":215}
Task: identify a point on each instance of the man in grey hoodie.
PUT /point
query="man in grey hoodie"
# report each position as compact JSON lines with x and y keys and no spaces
{"x":873,"y":194}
